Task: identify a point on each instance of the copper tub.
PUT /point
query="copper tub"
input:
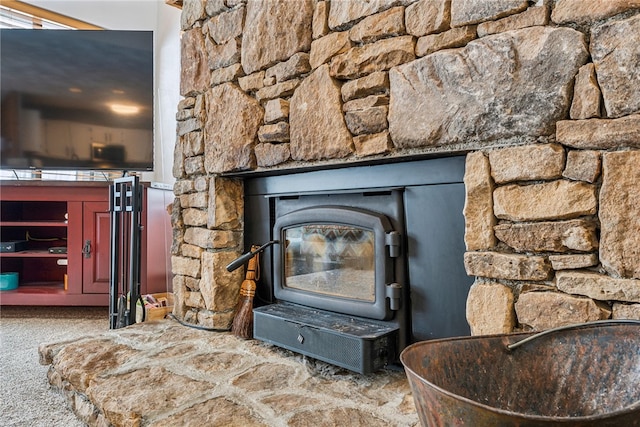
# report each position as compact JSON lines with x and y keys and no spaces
{"x":580,"y":375}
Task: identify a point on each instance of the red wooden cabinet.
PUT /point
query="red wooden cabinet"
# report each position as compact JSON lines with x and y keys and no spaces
{"x":49,"y":216}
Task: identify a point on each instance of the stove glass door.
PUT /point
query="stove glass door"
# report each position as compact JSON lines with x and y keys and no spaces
{"x":335,"y":258}
{"x":331,"y":259}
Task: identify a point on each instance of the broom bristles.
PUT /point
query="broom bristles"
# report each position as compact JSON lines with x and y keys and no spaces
{"x":243,"y":321}
{"x":242,"y":326}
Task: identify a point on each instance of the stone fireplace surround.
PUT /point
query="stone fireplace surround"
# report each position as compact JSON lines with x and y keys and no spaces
{"x":541,"y":95}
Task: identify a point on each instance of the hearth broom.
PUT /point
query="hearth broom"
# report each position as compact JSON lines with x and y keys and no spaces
{"x":243,"y":321}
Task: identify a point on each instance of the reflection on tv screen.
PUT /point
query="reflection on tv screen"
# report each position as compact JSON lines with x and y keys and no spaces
{"x":76,"y":99}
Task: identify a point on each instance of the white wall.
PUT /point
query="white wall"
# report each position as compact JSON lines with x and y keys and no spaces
{"x":164,"y":20}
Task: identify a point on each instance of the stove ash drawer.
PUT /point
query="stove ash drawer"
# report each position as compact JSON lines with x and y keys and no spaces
{"x":360,"y":345}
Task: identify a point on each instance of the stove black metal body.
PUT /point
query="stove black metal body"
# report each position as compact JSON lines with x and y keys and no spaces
{"x":370,"y":259}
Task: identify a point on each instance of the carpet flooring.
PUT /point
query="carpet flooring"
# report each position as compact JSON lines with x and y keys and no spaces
{"x":26,"y":399}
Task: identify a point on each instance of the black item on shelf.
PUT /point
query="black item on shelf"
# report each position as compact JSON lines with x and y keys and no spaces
{"x":125,"y":206}
{"x":13,"y":246}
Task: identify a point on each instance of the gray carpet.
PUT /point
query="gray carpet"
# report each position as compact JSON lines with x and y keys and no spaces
{"x":25,"y":396}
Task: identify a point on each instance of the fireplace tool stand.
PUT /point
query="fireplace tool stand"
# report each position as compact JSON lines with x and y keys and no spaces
{"x":125,"y":207}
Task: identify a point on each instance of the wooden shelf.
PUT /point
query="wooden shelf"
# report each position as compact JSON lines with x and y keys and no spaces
{"x":38,"y":288}
{"x":33,"y":224}
{"x":31,"y":254}
{"x":50,"y":296}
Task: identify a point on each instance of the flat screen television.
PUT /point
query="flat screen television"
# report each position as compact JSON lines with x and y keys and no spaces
{"x":76,"y":99}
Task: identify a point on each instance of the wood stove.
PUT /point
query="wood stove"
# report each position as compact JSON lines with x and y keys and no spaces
{"x":366,"y":257}
{"x":339,"y":268}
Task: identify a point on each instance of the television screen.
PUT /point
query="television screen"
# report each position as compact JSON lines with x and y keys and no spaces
{"x":76,"y":99}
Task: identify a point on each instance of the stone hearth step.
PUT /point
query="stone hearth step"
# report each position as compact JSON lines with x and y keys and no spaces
{"x":161,"y":373}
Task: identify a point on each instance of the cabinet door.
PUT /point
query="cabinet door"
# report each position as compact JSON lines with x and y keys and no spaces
{"x":96,"y":240}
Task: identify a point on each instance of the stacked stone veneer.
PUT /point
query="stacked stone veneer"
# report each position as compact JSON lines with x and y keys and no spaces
{"x":543,"y":95}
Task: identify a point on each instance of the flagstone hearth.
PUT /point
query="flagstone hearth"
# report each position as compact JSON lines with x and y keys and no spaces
{"x":164,"y":374}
